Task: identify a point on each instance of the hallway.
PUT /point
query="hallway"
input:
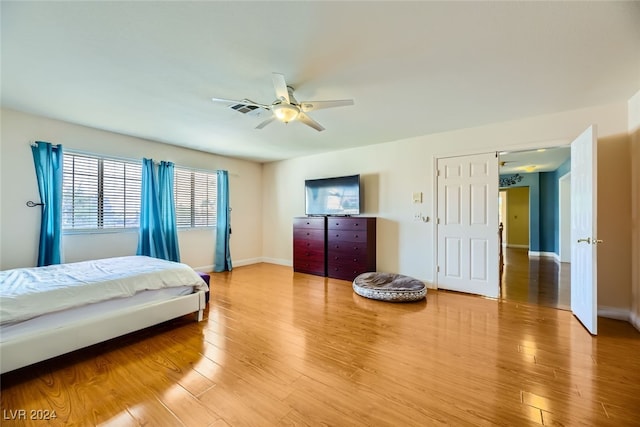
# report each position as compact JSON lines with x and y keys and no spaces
{"x":536,"y":280}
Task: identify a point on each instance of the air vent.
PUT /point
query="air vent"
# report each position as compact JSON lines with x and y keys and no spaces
{"x":244,"y":109}
{"x":250,"y":110}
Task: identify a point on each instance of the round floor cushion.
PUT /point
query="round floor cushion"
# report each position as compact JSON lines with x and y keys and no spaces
{"x":389,"y":287}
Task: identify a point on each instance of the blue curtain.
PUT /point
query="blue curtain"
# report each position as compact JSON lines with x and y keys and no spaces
{"x":151,"y":241}
{"x":47,"y":159}
{"x":222,"y":261}
{"x":168,"y":210}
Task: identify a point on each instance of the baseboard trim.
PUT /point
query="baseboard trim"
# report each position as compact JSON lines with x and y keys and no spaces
{"x":204,"y":268}
{"x":553,"y":255}
{"x":634,"y":319}
{"x":247,"y":261}
{"x":509,"y":245}
{"x":277,"y":261}
{"x":615,"y":313}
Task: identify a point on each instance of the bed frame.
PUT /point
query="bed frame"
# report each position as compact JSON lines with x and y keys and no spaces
{"x":38,"y":346}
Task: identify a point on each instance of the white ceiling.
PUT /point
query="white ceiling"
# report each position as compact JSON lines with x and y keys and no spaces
{"x":531,"y":161}
{"x":149,"y":69}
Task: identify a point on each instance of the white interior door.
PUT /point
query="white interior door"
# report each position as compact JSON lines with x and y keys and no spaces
{"x":468,"y":257}
{"x":584,"y":242}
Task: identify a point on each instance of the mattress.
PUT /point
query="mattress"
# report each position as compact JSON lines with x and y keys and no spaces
{"x":28,"y":293}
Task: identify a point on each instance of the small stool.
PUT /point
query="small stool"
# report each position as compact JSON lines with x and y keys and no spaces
{"x":389,"y":287}
{"x":206,"y":279}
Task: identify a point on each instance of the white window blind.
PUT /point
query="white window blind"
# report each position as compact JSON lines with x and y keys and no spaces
{"x":195,"y":194}
{"x":100,"y":193}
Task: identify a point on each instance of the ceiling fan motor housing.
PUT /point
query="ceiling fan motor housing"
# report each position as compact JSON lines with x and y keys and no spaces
{"x":285,"y":112}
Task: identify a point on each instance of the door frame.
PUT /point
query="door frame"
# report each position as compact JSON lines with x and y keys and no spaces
{"x":564,"y":205}
{"x":434,"y":193}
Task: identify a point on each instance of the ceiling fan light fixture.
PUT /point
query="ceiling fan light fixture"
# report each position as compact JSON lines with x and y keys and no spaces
{"x":285,"y":112}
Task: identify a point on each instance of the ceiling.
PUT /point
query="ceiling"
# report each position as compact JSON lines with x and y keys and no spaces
{"x":532,"y":161}
{"x":149,"y":69}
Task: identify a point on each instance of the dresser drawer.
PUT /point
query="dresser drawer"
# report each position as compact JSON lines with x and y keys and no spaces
{"x":334,"y":236}
{"x":309,"y":255}
{"x":310,"y":222}
{"x":349,"y":252}
{"x":345,"y":270}
{"x":308,"y":234}
{"x":302,"y":247}
{"x":309,"y":264}
{"x":347,"y":223}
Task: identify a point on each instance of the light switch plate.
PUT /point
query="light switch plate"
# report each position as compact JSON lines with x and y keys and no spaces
{"x":417,"y":197}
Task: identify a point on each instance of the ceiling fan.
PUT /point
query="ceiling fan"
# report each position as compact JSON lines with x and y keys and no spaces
{"x":286,"y":108}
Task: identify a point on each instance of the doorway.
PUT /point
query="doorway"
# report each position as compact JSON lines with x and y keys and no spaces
{"x":535,"y":203}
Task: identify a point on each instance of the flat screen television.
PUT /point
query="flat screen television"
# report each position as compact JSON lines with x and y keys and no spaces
{"x":333,"y":196}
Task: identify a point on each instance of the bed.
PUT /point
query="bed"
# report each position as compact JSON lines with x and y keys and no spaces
{"x":49,"y":311}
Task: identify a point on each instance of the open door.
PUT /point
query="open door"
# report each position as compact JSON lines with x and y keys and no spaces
{"x":467,"y":206}
{"x":584,"y":241}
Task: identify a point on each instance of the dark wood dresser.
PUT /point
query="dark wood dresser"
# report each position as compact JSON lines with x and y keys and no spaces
{"x":309,"y":245}
{"x":351,"y":246}
{"x":335,"y":246}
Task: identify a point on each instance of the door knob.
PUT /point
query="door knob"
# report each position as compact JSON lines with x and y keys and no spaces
{"x":587,"y":240}
{"x":596,"y":241}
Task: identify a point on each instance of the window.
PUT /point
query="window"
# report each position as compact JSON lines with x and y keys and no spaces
{"x":195,"y":197}
{"x":100,"y":193}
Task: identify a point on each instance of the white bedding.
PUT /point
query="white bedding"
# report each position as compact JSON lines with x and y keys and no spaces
{"x":27,"y":293}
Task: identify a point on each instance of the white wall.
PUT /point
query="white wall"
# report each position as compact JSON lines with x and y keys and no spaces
{"x":19,"y":225}
{"x":393,"y":171}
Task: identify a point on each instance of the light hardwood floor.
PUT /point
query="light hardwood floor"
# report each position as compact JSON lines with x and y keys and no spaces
{"x":535,"y":280}
{"x":280,"y":348}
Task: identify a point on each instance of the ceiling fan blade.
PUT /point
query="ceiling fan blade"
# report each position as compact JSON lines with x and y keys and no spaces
{"x":266,"y":122}
{"x":243,"y":102}
{"x":309,"y":122}
{"x":280,"y":86}
{"x":316,"y":105}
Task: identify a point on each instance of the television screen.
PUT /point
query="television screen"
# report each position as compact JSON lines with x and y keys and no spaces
{"x":333,"y":196}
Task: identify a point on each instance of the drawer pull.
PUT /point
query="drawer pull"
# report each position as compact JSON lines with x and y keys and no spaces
{"x":355,"y":260}
{"x":356,"y":236}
